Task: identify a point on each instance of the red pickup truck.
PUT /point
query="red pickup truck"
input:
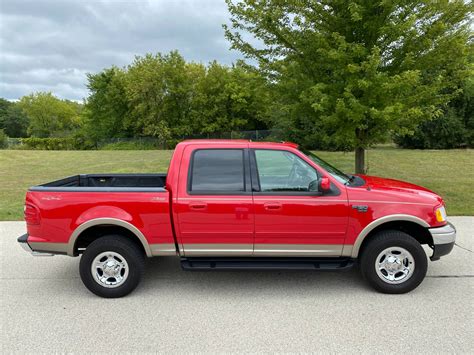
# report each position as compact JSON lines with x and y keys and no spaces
{"x":236,"y":204}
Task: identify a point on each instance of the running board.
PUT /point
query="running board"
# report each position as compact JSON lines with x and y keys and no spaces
{"x":329,"y":264}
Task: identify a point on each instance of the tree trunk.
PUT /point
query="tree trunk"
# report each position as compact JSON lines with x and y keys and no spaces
{"x":360,"y":160}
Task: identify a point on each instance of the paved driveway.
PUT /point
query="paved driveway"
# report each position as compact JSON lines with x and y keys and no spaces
{"x":45,"y":308}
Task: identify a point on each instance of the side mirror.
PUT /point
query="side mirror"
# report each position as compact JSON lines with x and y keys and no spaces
{"x":313,"y":186}
{"x":324,"y":184}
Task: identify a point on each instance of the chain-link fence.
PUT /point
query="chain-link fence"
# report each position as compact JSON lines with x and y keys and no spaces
{"x":71,"y":143}
{"x":254,"y":135}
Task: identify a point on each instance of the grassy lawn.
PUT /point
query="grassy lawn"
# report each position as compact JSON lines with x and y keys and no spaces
{"x":447,"y":172}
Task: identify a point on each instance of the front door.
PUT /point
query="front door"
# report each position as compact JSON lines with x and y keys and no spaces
{"x":214,"y":204}
{"x":289,"y":219}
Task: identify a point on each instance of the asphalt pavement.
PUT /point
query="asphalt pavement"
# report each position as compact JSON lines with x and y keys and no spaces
{"x":45,"y":308}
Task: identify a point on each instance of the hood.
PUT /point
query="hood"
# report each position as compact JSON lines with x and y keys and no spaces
{"x":396,"y":187}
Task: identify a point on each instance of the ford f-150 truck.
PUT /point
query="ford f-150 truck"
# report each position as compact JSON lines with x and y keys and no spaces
{"x":236,"y":204}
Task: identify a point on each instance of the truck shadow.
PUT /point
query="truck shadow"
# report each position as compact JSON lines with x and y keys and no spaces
{"x":164,"y":276}
{"x":166,"y":273}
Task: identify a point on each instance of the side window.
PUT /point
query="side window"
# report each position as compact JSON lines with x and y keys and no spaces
{"x":279,"y":170}
{"x":217,"y":170}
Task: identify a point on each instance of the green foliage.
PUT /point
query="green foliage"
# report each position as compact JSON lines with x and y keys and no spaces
{"x":160,"y":90}
{"x":3,"y":140}
{"x":106,"y":108}
{"x":132,"y":145}
{"x":49,"y":116}
{"x":453,"y":129}
{"x":70,"y":143}
{"x":4,"y":105}
{"x":230,"y":98}
{"x":165,"y":97}
{"x":355,"y":69}
{"x":464,"y":105}
{"x":12,"y":119}
{"x":332,"y":75}
{"x":444,"y":132}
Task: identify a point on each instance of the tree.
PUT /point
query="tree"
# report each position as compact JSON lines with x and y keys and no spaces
{"x":361,"y":68}
{"x":4,"y":105}
{"x":166,"y":97}
{"x":49,"y":116}
{"x":106,"y":108}
{"x":160,"y":91}
{"x":13,"y":121}
{"x":251,"y":98}
{"x":230,"y":98}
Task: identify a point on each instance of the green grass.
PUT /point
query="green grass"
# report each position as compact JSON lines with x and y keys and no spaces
{"x":447,"y":172}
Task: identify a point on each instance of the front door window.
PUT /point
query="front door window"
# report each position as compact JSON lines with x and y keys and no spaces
{"x":283,"y":171}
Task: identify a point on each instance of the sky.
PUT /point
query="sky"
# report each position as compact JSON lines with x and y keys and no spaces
{"x":50,"y":45}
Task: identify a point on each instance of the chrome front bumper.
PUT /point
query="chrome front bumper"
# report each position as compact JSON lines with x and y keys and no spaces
{"x":443,"y":240}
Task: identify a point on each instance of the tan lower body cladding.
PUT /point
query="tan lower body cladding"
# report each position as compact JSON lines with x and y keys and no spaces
{"x":224,"y":249}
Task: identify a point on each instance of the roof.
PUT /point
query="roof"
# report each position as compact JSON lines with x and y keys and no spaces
{"x":236,"y":141}
{"x":228,"y":141}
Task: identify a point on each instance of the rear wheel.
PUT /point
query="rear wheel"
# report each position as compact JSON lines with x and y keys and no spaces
{"x":393,"y":262}
{"x":112,"y":266}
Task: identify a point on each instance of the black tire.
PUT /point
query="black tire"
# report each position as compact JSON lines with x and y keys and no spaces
{"x":123,"y":246}
{"x":387,"y":239}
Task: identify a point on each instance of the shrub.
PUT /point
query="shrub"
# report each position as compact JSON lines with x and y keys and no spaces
{"x":70,"y":143}
{"x":140,"y":143}
{"x":129,"y":145}
{"x":446,"y":132}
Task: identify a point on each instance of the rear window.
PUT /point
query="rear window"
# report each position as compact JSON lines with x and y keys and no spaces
{"x":217,"y":170}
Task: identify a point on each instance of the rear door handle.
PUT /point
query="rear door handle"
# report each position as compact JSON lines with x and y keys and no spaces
{"x":272,"y":206}
{"x":198,"y":206}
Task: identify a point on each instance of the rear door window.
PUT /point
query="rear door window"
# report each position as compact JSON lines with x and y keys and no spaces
{"x":217,"y":171}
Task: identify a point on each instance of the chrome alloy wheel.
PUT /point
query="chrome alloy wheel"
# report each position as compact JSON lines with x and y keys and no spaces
{"x":109,"y":269}
{"x":395,"y":265}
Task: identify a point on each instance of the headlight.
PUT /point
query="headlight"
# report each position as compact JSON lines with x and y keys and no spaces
{"x":441,"y":214}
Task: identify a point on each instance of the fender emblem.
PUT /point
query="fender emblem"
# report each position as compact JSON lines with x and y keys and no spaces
{"x":50,"y":198}
{"x":157,"y":199}
{"x":360,"y":208}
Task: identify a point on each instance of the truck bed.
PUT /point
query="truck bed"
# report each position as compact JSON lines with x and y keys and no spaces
{"x":137,"y":202}
{"x":106,"y":182}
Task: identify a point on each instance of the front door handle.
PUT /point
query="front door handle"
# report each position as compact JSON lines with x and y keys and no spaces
{"x":198,"y":206}
{"x":272,"y":206}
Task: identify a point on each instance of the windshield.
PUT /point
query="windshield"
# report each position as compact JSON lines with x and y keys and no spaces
{"x":336,"y":173}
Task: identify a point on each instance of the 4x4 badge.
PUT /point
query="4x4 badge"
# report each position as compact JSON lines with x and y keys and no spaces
{"x":360,"y":208}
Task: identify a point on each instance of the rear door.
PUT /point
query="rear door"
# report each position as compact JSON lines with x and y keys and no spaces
{"x":214,"y":203}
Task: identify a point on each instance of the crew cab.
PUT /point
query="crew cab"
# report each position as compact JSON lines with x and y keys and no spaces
{"x":237,"y":204}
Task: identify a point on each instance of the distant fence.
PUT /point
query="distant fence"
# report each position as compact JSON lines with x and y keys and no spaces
{"x":255,"y":135}
{"x":70,"y":143}
{"x":13,"y":142}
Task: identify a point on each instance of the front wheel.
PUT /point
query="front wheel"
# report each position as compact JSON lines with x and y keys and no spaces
{"x":112,"y":266}
{"x":393,"y":262}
